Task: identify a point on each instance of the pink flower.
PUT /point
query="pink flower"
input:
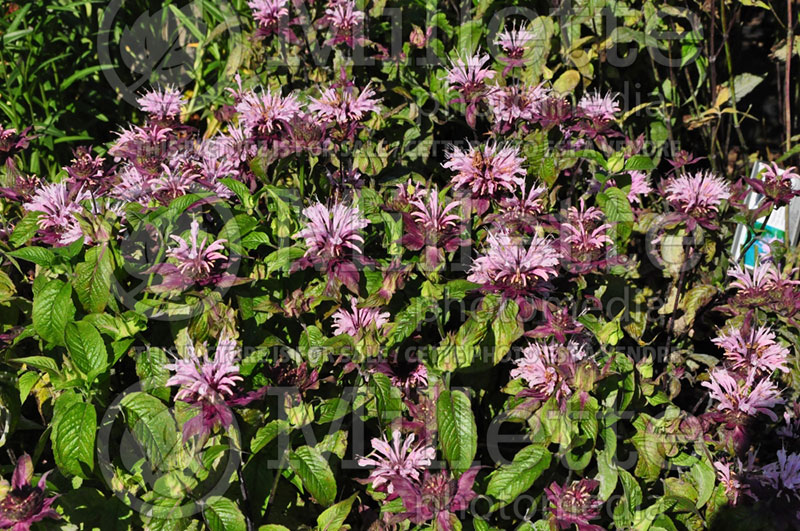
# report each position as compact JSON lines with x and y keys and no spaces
{"x":515,"y":104}
{"x":406,"y":374}
{"x":698,"y":195}
{"x":513,"y":41}
{"x":757,"y":349}
{"x":144,"y":147}
{"x":487,"y":172}
{"x":12,"y":143}
{"x":468,"y":76}
{"x":546,"y":368}
{"x":25,"y":504}
{"x":398,"y":458}
{"x":520,"y":213}
{"x":209,"y":386}
{"x":85,"y":168}
{"x":583,"y":238}
{"x":269,"y":14}
{"x":740,"y":397}
{"x":599,"y":109}
{"x":196,"y":260}
{"x":342,"y":107}
{"x":514,"y":269}
{"x":730,"y":479}
{"x":574,"y":504}
{"x":432,"y":226}
{"x":355,"y":323}
{"x":58,"y":204}
{"x":346,"y":21}
{"x":265,"y":113}
{"x":436,"y":497}
{"x":776,"y":184}
{"x":418,"y":38}
{"x":784,"y":474}
{"x":163,"y":105}
{"x":332,"y":239}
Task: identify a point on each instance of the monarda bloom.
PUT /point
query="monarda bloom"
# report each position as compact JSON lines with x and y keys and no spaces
{"x":340,"y":106}
{"x":514,"y":269}
{"x":146,"y":148}
{"x":728,"y":477}
{"x":743,"y":397}
{"x":753,"y":348}
{"x":432,"y":227}
{"x":407,"y":374}
{"x":468,"y":76}
{"x":400,"y":457}
{"x":332,"y":239}
{"x":58,"y":205}
{"x":209,"y":386}
{"x":520,"y":214}
{"x":584,"y":238}
{"x":345,"y":22}
{"x":197,"y":262}
{"x":437,"y":497}
{"x":267,"y":114}
{"x":358,"y":321}
{"x":487,"y":172}
{"x":574,"y":504}
{"x":697,"y":196}
{"x":548,"y":370}
{"x":25,"y":504}
{"x":271,"y":16}
{"x":85,"y":168}
{"x":12,"y":143}
{"x":515,"y":104}
{"x":513,"y":42}
{"x":777,"y":185}
{"x":783,"y":476}
{"x":163,"y":106}
{"x":598,"y":109}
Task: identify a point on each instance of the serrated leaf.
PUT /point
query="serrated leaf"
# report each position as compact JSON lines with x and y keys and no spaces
{"x":37,"y":255}
{"x":52,"y":310}
{"x":93,"y":279}
{"x":506,"y":329}
{"x":223,"y":514}
{"x":458,"y":434}
{"x":153,"y":426}
{"x":25,"y":229}
{"x":332,"y":518}
{"x":152,"y":371}
{"x":388,"y":397}
{"x":266,"y":434}
{"x":315,"y":473}
{"x":86,"y":348}
{"x":73,"y":434}
{"x":511,"y":480}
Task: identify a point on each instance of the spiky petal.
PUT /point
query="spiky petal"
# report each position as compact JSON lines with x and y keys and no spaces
{"x":399,"y":457}
{"x":357,"y":321}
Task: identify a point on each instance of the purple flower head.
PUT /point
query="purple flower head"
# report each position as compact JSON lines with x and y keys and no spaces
{"x":163,"y":106}
{"x":554,"y":111}
{"x":513,"y":41}
{"x":341,"y":106}
{"x":755,"y":286}
{"x":437,"y":497}
{"x":514,"y":269}
{"x":468,"y":76}
{"x":776,"y":184}
{"x":748,"y":347}
{"x":697,"y":196}
{"x":359,"y":320}
{"x":515,"y":104}
{"x":266,"y":114}
{"x":558,"y":324}
{"x":287,"y":375}
{"x":739,"y":397}
{"x":598,"y":109}
{"x":734,"y":486}
{"x":345,"y":21}
{"x":584,"y":239}
{"x":332,"y":239}
{"x":22,"y":187}
{"x":574,"y":504}
{"x":144,"y":147}
{"x":270,"y":15}
{"x":197,"y":260}
{"x":432,"y":226}
{"x":640,"y":186}
{"x":25,"y":504}
{"x":407,"y":374}
{"x":548,"y":369}
{"x":520,"y":214}
{"x":398,"y":458}
{"x":209,"y":386}
{"x":58,"y":204}
{"x":12,"y":143}
{"x":84,"y":168}
{"x":487,"y":172}
{"x":783,"y":476}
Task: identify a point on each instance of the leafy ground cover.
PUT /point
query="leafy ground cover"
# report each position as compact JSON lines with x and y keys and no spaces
{"x":398,"y":265}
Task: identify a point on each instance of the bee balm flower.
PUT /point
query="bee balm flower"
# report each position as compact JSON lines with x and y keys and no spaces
{"x":401,"y":458}
{"x":25,"y":504}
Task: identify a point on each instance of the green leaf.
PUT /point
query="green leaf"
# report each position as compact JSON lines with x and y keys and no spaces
{"x":511,"y":480}
{"x":567,"y":82}
{"x":265,"y":434}
{"x":37,"y":255}
{"x":153,"y":425}
{"x":704,"y":477}
{"x":86,"y":349}
{"x":388,"y":397}
{"x":25,"y":229}
{"x":315,"y":473}
{"x":52,"y":310}
{"x":506,"y":329}
{"x":73,"y":434}
{"x":332,"y":518}
{"x":40,"y":362}
{"x":409,"y":318}
{"x":615,"y":205}
{"x":152,"y":371}
{"x":458,"y":434}
{"x":640,"y":163}
{"x":222,"y":514}
{"x":93,"y":279}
